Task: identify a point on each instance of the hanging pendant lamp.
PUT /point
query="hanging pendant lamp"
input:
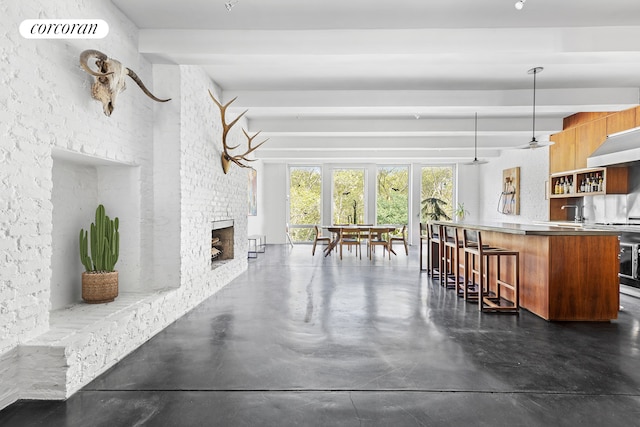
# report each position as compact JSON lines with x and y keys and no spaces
{"x":475,"y":148}
{"x":534,"y":143}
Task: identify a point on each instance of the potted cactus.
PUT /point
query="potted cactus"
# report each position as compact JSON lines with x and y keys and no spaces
{"x":100,"y":280}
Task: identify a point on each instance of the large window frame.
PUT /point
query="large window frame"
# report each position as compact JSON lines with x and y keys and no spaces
{"x":396,"y":188}
{"x":439,"y":191}
{"x":341,"y":204}
{"x":303,"y":231}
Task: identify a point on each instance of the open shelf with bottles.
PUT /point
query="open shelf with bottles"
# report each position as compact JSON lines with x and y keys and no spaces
{"x":589,"y":182}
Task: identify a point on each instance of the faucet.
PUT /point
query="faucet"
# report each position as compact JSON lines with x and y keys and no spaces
{"x":578,"y":214}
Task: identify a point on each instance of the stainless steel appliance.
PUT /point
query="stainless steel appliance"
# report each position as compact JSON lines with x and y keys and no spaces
{"x":629,"y":250}
{"x":629,"y":260}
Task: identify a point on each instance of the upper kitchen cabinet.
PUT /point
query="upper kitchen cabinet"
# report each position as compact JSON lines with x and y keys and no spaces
{"x":589,"y":136}
{"x":621,"y":120}
{"x":583,"y":133}
{"x":562,"y":154}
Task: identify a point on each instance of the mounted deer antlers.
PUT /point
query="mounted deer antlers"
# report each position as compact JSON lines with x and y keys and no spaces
{"x":226,"y":157}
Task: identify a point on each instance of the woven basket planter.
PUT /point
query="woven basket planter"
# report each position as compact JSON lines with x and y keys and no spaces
{"x":99,"y":288}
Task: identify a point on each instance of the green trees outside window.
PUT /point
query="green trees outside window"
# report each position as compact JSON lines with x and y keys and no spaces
{"x":348,"y":196}
{"x":437,"y":193}
{"x":348,"y":204}
{"x":392,"y":201}
{"x":305,"y":201}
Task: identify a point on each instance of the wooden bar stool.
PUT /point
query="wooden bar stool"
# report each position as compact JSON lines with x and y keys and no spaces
{"x":424,"y":238}
{"x":451,"y":258}
{"x":435,"y":247}
{"x":478,"y":278}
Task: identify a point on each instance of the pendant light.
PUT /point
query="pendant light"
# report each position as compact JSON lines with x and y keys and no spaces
{"x":534,"y":143}
{"x":475,"y":148}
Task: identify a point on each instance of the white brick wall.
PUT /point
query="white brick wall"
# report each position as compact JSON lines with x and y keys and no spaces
{"x":534,"y":171}
{"x":45,"y":105}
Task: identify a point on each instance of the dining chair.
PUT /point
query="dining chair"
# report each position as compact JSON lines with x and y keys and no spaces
{"x":402,"y":238}
{"x":319,"y":238}
{"x":379,"y":237}
{"x":350,"y":237}
{"x":287,"y":231}
{"x":364,"y":233}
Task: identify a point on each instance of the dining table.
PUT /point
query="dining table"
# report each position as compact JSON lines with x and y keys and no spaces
{"x":336,"y":231}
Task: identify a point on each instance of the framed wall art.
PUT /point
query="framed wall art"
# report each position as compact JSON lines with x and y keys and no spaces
{"x":253,"y":192}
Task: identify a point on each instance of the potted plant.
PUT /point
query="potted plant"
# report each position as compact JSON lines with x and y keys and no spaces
{"x":461,"y":212}
{"x":100,"y":280}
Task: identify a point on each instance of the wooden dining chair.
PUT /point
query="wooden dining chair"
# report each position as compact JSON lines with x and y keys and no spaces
{"x":402,"y":238}
{"x":319,"y":238}
{"x":364,"y":233}
{"x":379,"y":237}
{"x":350,"y":238}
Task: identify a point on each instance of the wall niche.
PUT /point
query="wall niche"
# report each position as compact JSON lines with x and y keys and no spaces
{"x":80,"y":184}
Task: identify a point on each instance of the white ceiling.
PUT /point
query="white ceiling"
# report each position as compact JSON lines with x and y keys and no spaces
{"x":397,"y":80}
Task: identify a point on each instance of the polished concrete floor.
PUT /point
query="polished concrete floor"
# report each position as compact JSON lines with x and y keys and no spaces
{"x":311,"y":341}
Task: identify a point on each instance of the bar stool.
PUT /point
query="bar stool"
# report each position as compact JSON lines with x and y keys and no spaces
{"x":451,"y":259}
{"x":434,"y":233}
{"x":477,"y":277}
{"x":424,"y":238}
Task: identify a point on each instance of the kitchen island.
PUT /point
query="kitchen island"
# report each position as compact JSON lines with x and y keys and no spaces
{"x":567,"y":272}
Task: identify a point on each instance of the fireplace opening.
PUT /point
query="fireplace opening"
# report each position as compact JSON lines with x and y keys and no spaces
{"x":221,"y":241}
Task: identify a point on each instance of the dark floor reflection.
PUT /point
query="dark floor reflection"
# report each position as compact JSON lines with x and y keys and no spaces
{"x":302,"y":340}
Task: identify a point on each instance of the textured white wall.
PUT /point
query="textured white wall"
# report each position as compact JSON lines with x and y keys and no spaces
{"x":534,"y":172}
{"x":46,"y":110}
{"x":46,"y":103}
{"x":275,"y":212}
{"x":207,"y":194}
{"x":75,"y":196}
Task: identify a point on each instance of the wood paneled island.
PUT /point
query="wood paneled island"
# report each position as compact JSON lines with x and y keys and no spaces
{"x":566,"y":273}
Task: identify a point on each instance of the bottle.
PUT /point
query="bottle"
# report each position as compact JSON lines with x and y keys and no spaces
{"x":556,"y":187}
{"x":582,"y":185}
{"x":600,"y":182}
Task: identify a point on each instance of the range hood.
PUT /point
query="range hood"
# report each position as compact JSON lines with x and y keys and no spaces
{"x":618,"y":149}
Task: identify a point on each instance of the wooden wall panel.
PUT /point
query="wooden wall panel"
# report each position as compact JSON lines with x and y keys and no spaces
{"x":589,"y":137}
{"x":622,"y":120}
{"x":562,"y":154}
{"x":581,"y":118}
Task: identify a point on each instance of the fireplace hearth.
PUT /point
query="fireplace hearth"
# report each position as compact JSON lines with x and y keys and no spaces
{"x":221,"y":241}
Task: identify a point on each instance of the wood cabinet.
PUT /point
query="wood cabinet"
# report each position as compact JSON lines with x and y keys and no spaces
{"x":622,"y":120}
{"x":583,"y":133}
{"x":589,"y":182}
{"x":562,"y":154}
{"x":589,"y":137}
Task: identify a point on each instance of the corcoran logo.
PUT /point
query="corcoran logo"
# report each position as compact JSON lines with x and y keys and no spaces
{"x":64,"y":28}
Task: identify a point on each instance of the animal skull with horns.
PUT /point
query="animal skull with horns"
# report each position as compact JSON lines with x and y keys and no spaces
{"x":110,"y":79}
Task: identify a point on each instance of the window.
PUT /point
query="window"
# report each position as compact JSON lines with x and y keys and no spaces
{"x":305,"y":201}
{"x":392,"y":198}
{"x":348,"y":196}
{"x":437,"y":193}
